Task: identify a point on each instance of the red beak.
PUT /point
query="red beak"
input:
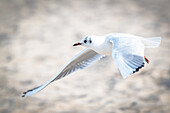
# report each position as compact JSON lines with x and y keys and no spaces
{"x":76,"y":44}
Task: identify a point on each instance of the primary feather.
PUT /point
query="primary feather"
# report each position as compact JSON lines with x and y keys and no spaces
{"x":128,"y":54}
{"x":80,"y":61}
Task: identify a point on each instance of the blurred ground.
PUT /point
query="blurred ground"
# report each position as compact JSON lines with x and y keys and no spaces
{"x":36,"y":38}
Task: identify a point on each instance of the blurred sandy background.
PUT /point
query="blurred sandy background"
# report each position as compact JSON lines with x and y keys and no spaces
{"x":36,"y":38}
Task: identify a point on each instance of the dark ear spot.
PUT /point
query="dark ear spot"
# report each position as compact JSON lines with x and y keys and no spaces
{"x":85,"y":41}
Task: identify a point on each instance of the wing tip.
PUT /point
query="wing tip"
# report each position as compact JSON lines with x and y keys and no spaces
{"x":138,"y":68}
{"x":26,"y":93}
{"x":23,"y":96}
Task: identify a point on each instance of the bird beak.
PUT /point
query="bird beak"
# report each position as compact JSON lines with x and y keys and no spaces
{"x":76,"y":44}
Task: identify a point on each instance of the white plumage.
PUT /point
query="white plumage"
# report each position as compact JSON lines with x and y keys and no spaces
{"x":127,"y":51}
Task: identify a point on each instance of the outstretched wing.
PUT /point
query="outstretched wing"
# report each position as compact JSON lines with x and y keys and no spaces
{"x":80,"y":61}
{"x":128,"y":54}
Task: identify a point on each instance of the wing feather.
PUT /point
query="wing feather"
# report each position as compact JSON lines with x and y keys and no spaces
{"x":80,"y":61}
{"x":128,"y":54}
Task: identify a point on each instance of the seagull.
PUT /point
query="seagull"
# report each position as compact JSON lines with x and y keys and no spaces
{"x":127,"y":51}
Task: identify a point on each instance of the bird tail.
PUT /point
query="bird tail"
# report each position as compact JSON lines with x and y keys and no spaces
{"x":152,"y":42}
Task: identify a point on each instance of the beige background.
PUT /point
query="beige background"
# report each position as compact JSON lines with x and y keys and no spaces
{"x":36,"y":38}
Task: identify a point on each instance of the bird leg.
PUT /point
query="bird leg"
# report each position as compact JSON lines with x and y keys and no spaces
{"x":146,"y":60}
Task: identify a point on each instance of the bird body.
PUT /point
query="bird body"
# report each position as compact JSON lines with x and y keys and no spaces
{"x":127,"y":51}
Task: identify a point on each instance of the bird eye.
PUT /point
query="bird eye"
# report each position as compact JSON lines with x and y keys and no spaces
{"x":90,"y":41}
{"x":85,"y":41}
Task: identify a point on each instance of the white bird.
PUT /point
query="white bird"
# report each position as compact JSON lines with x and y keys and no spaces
{"x":127,"y":51}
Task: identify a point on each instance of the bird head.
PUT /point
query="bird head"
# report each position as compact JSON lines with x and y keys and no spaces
{"x":86,"y":42}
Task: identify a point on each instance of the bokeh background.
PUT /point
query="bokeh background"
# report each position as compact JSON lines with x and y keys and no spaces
{"x":36,"y":38}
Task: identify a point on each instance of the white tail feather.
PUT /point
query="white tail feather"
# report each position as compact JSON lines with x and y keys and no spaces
{"x":152,"y":42}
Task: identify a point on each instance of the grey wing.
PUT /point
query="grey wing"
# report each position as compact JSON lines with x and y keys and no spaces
{"x":128,"y":54}
{"x":80,"y":61}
